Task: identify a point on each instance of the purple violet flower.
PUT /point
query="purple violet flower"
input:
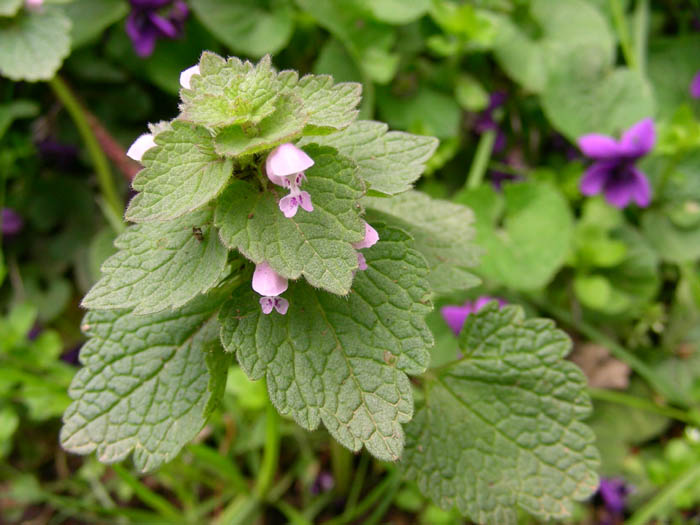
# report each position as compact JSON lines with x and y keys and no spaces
{"x":285,"y":166}
{"x":695,"y":86}
{"x":455,"y":315}
{"x":614,"y":492}
{"x":370,"y":239}
{"x":613,"y":171}
{"x":485,"y":122}
{"x":270,"y":285}
{"x":150,"y":20}
{"x":11,"y":222}
{"x":323,"y":483}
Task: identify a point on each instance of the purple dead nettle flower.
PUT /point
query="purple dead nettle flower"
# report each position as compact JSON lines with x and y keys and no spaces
{"x":285,"y":166}
{"x":140,"y":146}
{"x":371,"y":238}
{"x":270,"y":285}
{"x":455,"y":315}
{"x":11,"y":222}
{"x":150,"y":20}
{"x":613,"y":171}
{"x":695,"y":86}
{"x":186,"y":76}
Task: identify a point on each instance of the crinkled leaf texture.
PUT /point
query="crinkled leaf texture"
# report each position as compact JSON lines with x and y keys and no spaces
{"x":443,"y":233}
{"x":317,"y":245}
{"x":388,"y":161}
{"x":228,"y":92}
{"x":148,"y":383}
{"x":34,"y":44}
{"x":161,"y":265}
{"x":182,"y":173}
{"x":343,"y":360}
{"x":501,"y":428}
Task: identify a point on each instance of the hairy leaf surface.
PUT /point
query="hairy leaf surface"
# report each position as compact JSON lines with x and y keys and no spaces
{"x":501,"y":428}
{"x":147,"y":384}
{"x":343,"y":360}
{"x":161,"y":265}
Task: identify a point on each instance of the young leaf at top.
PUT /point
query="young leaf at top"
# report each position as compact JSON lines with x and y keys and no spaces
{"x":34,"y":44}
{"x":343,"y":360}
{"x":228,"y":92}
{"x":443,"y":233}
{"x":317,"y":245}
{"x":182,"y":173}
{"x":389,"y":162}
{"x":285,"y":124}
{"x":161,"y":265}
{"x":331,"y":107}
{"x":501,"y":428}
{"x":147,"y":384}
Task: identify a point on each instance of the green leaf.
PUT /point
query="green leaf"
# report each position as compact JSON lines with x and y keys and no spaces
{"x":314,"y":244}
{"x":90,"y":18}
{"x":673,"y":62}
{"x":249,"y":27}
{"x":398,"y":12}
{"x":182,"y":173}
{"x":16,"y":109}
{"x":500,"y":429}
{"x":565,"y":25}
{"x":161,"y":265}
{"x":330,"y":106}
{"x":10,"y":7}
{"x":428,"y":111}
{"x":534,"y":239}
{"x":285,"y":124}
{"x":147,"y":383}
{"x":443,"y":233}
{"x":388,"y":162}
{"x":34,"y":44}
{"x":673,"y":243}
{"x":228,"y":92}
{"x":615,"y":98}
{"x":343,"y":360}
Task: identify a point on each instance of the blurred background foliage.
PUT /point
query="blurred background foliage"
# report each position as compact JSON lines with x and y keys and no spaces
{"x":508,"y":86}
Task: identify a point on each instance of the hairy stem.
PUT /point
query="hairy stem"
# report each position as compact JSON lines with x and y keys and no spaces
{"x":99,"y":160}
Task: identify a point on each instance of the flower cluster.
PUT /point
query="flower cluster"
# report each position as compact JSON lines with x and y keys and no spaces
{"x":150,"y":20}
{"x":285,"y":166}
{"x":613,"y":171}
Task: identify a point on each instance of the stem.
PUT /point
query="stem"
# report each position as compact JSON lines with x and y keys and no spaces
{"x":271,"y":452}
{"x":662,"y":499}
{"x":99,"y":160}
{"x":357,"y":483}
{"x":294,"y":517}
{"x":641,"y":34}
{"x":146,"y":495}
{"x":481,"y":159}
{"x":623,"y":33}
{"x":370,"y":499}
{"x":386,"y":502}
{"x":621,"y":398}
{"x":341,"y":464}
{"x":656,"y":382}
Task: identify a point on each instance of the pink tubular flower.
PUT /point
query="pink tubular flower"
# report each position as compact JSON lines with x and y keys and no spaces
{"x":285,"y":166}
{"x":140,"y":146}
{"x":270,"y":285}
{"x":455,"y":315}
{"x":371,"y":238}
{"x":186,"y":76}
